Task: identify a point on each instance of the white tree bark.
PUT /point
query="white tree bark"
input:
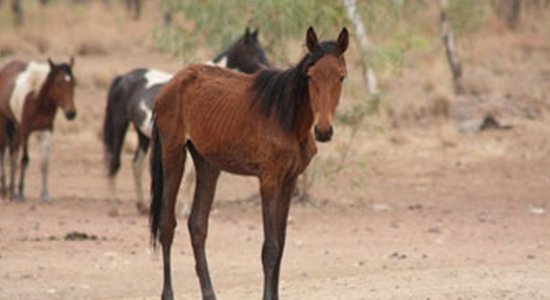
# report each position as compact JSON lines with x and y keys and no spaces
{"x":363,"y":44}
{"x":450,"y":47}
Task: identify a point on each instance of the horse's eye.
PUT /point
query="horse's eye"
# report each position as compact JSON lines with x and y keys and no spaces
{"x":342,"y":78}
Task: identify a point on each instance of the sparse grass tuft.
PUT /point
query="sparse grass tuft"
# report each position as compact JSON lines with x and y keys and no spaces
{"x":90,"y":47}
{"x":102,"y":78}
{"x":440,"y":105}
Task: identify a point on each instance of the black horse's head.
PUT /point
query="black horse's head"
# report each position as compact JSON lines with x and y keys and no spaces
{"x":246,"y":54}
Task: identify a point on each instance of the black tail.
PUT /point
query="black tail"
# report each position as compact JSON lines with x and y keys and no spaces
{"x":157,"y":184}
{"x":114,"y":118}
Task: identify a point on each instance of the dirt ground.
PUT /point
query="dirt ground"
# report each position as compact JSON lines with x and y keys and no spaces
{"x":411,"y":212}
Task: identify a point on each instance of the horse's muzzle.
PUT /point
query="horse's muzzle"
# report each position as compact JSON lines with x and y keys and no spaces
{"x":323,"y":136}
{"x":70,"y":115}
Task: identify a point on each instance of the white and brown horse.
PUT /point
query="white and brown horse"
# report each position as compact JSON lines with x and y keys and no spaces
{"x":30,"y":94}
{"x":131,"y":98}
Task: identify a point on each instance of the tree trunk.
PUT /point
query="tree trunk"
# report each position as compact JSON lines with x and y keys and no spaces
{"x":17,"y":10}
{"x":134,"y":6}
{"x":507,"y":10}
{"x":450,"y":48}
{"x":363,"y":44}
{"x":167,"y":18}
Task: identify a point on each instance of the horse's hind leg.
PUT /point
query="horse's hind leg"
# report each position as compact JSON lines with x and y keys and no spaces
{"x":13,"y":143}
{"x":119,"y":133}
{"x":173,"y":163}
{"x":207,"y":177}
{"x":3,"y":187}
{"x":3,"y":145}
{"x":138,"y":165}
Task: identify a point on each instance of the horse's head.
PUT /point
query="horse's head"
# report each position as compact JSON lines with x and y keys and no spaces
{"x":247,"y":54}
{"x":325,"y":75}
{"x":62,"y":87}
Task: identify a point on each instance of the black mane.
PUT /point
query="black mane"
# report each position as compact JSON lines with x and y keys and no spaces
{"x":280,"y":91}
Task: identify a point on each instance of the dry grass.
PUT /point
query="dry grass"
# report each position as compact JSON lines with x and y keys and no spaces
{"x":91,"y":47}
{"x":90,"y":29}
{"x":101,"y":79}
{"x":506,"y":74}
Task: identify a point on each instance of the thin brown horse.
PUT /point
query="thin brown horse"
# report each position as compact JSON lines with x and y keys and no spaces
{"x":30,"y":94}
{"x":256,"y":125}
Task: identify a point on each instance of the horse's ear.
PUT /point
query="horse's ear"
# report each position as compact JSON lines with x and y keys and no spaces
{"x":71,"y":62}
{"x":52,"y":65}
{"x":255,"y":33}
{"x":343,"y":40}
{"x":311,"y":39}
{"x":247,"y":34}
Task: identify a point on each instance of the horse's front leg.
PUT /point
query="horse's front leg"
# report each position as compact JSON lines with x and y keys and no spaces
{"x":276,"y":197}
{"x":44,"y":167}
{"x":24,"y":164}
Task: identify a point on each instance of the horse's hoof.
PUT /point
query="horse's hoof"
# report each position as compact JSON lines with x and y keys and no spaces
{"x":142,"y":208}
{"x":167,"y":295}
{"x":209,"y":296}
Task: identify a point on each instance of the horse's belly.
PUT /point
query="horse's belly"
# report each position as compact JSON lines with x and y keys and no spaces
{"x":233,"y":164}
{"x":229,"y":149}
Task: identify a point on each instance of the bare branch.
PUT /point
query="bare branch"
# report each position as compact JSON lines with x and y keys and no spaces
{"x":450,"y":47}
{"x":363,"y":44}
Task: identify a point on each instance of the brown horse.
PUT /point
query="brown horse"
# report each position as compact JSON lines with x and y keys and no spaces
{"x":257,"y":125}
{"x":30,"y":94}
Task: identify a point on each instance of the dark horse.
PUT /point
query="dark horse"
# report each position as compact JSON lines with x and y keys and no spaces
{"x":256,"y":125}
{"x":30,"y":94}
{"x":131,"y":97}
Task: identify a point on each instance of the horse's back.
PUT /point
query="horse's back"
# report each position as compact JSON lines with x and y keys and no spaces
{"x":9,"y":72}
{"x":8,"y":77}
{"x":126,"y":91}
{"x":142,"y":86}
{"x":212,"y":108}
{"x":203,"y":89}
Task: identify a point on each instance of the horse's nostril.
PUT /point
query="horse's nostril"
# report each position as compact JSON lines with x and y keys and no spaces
{"x":323,"y":136}
{"x":316,"y":131}
{"x":70,"y":115}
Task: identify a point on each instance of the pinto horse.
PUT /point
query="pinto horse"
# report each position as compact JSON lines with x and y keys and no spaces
{"x":131,"y":97}
{"x":257,"y":125}
{"x":30,"y":94}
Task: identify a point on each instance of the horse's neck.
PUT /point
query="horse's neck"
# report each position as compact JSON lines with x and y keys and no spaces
{"x":303,"y":120}
{"x":41,"y":108}
{"x":45,"y":103}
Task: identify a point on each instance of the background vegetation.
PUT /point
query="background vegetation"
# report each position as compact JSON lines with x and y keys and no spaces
{"x":406,"y":50}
